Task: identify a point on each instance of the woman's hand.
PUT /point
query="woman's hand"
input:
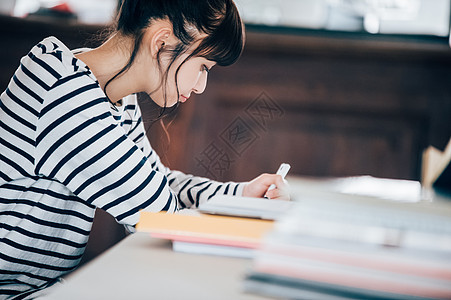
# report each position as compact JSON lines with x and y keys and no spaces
{"x":258,"y":187}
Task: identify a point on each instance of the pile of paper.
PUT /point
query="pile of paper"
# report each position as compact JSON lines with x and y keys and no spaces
{"x":357,"y":247}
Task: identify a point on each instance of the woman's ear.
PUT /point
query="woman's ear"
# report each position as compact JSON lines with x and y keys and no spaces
{"x":158,"y":35}
{"x":159,"y":40}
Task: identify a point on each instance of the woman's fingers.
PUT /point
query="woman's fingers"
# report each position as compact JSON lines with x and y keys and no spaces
{"x":258,"y":187}
{"x":281,"y":192}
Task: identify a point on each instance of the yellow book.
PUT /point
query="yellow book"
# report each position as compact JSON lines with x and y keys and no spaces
{"x":205,"y":229}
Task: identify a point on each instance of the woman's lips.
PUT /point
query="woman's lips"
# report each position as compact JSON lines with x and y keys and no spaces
{"x":183,"y":98}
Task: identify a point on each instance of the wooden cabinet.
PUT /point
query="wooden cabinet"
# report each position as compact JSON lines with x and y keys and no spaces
{"x":343,"y":104}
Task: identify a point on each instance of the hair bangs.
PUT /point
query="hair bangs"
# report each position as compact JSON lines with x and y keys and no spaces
{"x":224,"y":44}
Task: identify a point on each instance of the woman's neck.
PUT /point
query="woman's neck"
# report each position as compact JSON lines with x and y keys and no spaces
{"x":106,"y":61}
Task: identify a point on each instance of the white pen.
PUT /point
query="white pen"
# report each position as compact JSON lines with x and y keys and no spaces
{"x":283,"y":171}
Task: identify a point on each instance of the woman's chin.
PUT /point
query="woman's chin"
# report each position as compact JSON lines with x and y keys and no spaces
{"x":162,"y":104}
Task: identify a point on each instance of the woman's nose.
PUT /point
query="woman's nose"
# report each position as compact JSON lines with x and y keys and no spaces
{"x":201,"y":83}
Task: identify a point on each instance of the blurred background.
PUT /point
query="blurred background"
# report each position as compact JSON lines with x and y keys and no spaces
{"x":333,"y":87}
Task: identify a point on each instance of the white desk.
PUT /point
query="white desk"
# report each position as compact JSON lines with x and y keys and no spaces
{"x":140,"y":267}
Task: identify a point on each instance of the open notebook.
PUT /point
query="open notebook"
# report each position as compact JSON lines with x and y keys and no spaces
{"x":259,"y":208}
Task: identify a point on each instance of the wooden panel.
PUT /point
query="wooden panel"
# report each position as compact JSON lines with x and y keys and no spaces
{"x":18,"y":36}
{"x":350,"y":107}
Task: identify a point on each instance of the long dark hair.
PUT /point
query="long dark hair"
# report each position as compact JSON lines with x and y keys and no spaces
{"x":218,"y":19}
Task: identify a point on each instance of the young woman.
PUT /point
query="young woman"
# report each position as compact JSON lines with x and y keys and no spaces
{"x":72,"y":139}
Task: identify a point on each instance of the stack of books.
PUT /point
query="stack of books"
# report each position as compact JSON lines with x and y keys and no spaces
{"x":207,"y":234}
{"x":225,"y":226}
{"x":337,"y":246}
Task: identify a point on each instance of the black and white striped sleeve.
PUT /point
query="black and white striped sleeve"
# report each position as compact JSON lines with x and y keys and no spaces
{"x":79,"y":144}
{"x":191,"y":190}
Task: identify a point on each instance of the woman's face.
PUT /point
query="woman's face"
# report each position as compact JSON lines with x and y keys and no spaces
{"x":191,"y":78}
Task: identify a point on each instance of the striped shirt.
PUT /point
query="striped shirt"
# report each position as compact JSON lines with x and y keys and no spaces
{"x":65,"y":151}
